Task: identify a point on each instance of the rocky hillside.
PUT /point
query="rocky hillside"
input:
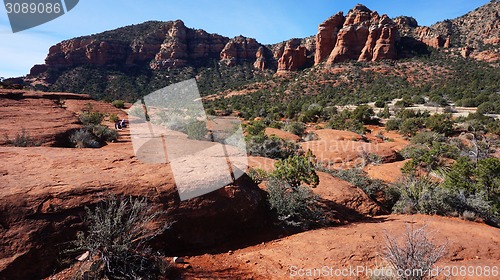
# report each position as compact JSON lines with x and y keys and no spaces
{"x":475,"y":29}
{"x":476,"y":34}
{"x":134,"y":60}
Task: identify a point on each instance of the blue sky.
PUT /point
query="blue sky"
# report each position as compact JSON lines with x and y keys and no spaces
{"x":269,"y":21}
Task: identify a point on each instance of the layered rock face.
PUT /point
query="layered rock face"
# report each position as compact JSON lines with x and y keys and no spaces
{"x":327,"y":36}
{"x":362,"y":35}
{"x":156,"y":45}
{"x":294,"y":56}
{"x":409,"y":27}
{"x":242,"y":48}
{"x":183,"y":45}
{"x":260,"y":59}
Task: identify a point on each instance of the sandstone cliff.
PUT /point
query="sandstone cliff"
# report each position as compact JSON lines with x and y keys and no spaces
{"x":139,"y":54}
{"x":409,"y":28}
{"x":156,"y":45}
{"x":362,"y":35}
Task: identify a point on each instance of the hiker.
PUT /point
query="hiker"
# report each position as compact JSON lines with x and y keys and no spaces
{"x":123,"y":123}
{"x":118,"y":125}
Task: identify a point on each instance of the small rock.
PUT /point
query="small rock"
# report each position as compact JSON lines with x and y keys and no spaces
{"x":83,"y":257}
{"x":230,"y":252}
{"x":187,"y":266}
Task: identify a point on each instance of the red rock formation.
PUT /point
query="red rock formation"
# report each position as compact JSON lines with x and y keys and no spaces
{"x":240,"y":48}
{"x":182,"y":45}
{"x":359,"y":14}
{"x":260,"y":60}
{"x":431,"y":38}
{"x":170,"y":44}
{"x":350,"y":43}
{"x":327,"y":36}
{"x":294,"y":56}
{"x":365,"y":36}
{"x":381,"y":41}
{"x":42,"y":198}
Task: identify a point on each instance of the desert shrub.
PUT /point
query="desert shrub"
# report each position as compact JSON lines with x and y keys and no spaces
{"x":293,"y":206}
{"x":407,"y":114}
{"x":369,"y":158}
{"x":197,"y":130}
{"x":104,"y":133}
{"x":363,"y":114}
{"x":83,"y":138}
{"x":113,"y":118}
{"x":310,"y":136}
{"x":91,"y":118}
{"x":380,"y":103}
{"x":428,"y":157}
{"x":414,"y":151}
{"x":438,"y":100}
{"x":460,"y":175}
{"x":413,"y":192}
{"x":488,"y":108}
{"x":493,"y":127}
{"x":271,"y":147}
{"x":352,"y":120}
{"x":116,"y":240}
{"x":340,"y":123}
{"x":311,"y":114}
{"x":418,"y":99}
{"x":119,"y":104}
{"x":276,"y":124}
{"x":420,"y":195}
{"x":211,"y":112}
{"x":411,"y":126}
{"x":476,"y":180}
{"x":427,"y":138}
{"x":297,"y":170}
{"x":385,"y":113}
{"x":257,"y":175}
{"x":255,"y":128}
{"x":415,"y":253}
{"x":22,"y":139}
{"x":468,"y":102}
{"x":374,"y":188}
{"x":329,"y":112}
{"x":393,"y":124}
{"x":402,"y":104}
{"x":487,"y":177}
{"x":296,"y":128}
{"x":440,"y":123}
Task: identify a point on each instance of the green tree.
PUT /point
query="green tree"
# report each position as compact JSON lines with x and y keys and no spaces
{"x":297,"y":169}
{"x":488,"y":108}
{"x":385,"y":113}
{"x":296,"y":128}
{"x":410,"y":126}
{"x":459,"y":177}
{"x":487,"y":176}
{"x":255,"y":128}
{"x":440,"y":123}
{"x":363,"y":113}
